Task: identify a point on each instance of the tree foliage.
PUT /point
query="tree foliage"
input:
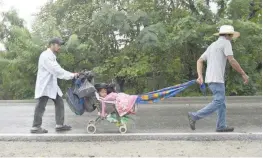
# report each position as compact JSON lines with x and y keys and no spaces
{"x":142,"y":45}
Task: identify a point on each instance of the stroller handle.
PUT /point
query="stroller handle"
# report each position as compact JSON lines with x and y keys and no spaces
{"x":98,"y":98}
{"x":103,"y":104}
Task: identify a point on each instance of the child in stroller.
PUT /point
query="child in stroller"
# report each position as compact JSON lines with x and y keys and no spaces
{"x":124,"y":104}
{"x":115,"y":107}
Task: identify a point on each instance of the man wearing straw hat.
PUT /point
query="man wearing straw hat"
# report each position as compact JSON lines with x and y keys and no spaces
{"x":216,"y":56}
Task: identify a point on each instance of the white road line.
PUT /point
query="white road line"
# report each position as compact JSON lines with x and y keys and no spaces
{"x":129,"y":134}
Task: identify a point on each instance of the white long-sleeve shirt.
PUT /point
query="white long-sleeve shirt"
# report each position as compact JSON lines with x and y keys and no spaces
{"x":48,"y":72}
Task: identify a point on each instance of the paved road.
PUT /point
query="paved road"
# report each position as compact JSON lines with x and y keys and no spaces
{"x":245,"y":114}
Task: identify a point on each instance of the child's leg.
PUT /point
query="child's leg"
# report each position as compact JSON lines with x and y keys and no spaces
{"x":117,"y":114}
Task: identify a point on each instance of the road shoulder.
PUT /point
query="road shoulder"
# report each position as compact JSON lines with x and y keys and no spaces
{"x":134,"y":148}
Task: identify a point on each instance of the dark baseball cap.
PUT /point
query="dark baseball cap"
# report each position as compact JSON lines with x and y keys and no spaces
{"x":56,"y":41}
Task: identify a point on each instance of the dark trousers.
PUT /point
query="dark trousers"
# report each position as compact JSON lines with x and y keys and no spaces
{"x":40,"y":109}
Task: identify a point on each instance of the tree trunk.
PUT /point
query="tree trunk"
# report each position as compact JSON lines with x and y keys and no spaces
{"x":207,"y":3}
{"x":172,"y":4}
{"x":222,"y":7}
{"x":155,"y":5}
{"x":253,"y":10}
{"x":120,"y":82}
{"x":192,"y":6}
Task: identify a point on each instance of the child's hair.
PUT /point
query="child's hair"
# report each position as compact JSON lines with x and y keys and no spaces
{"x":109,"y":87}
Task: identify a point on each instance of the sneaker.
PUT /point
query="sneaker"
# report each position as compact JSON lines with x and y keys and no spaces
{"x":226,"y":129}
{"x":38,"y":130}
{"x":63,"y":128}
{"x":191,"y":121}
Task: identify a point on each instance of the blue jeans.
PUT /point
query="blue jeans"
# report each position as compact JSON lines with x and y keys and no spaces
{"x":218,"y":104}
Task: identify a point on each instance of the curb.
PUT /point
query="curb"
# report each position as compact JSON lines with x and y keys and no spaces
{"x":132,"y":137}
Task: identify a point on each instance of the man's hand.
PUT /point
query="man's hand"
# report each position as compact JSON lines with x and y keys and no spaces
{"x":76,"y":75}
{"x":200,"y":80}
{"x":245,"y":78}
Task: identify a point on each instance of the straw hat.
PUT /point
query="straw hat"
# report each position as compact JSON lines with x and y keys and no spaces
{"x":227,"y":29}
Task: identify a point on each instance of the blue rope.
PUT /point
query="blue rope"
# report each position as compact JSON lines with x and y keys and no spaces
{"x":203,"y":89}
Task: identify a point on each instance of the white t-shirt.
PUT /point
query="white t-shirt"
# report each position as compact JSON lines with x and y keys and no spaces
{"x":216,"y":57}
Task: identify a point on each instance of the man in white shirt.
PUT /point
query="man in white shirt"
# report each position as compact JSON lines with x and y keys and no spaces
{"x":47,"y":87}
{"x":216,"y":56}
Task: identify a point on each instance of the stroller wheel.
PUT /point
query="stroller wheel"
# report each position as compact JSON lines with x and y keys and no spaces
{"x":123,"y":129}
{"x":91,"y":129}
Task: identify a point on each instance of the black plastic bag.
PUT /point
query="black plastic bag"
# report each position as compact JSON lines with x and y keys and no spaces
{"x":74,"y":102}
{"x":86,"y":89}
{"x":90,"y":103}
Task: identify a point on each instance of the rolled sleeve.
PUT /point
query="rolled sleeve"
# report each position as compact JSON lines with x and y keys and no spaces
{"x":228,"y":48}
{"x":204,"y":56}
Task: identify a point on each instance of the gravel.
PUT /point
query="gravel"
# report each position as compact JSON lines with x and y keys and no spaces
{"x":133,"y":149}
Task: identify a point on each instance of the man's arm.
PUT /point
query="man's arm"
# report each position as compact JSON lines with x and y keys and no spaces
{"x":235,"y":65}
{"x":200,"y":64}
{"x":232,"y":61}
{"x":54,"y":68}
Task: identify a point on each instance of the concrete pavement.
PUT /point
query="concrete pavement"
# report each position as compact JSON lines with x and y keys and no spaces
{"x":164,"y":121}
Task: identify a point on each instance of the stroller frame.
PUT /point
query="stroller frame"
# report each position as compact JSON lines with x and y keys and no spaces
{"x":120,"y":122}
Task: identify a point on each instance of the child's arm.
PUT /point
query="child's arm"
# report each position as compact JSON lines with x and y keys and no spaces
{"x":111,"y":97}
